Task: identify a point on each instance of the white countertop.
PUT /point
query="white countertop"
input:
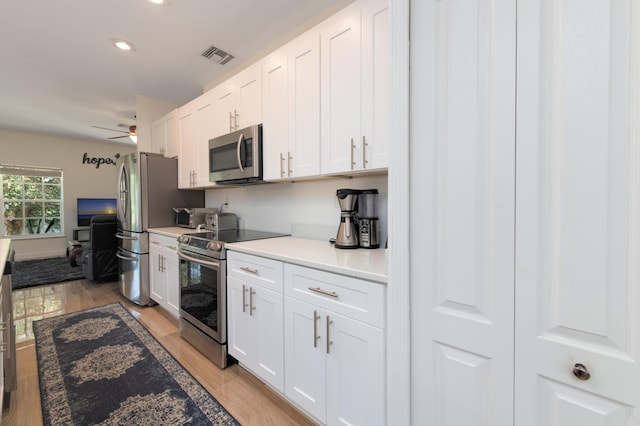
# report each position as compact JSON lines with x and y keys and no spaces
{"x":4,"y":252}
{"x":174,"y":231}
{"x":359,"y":263}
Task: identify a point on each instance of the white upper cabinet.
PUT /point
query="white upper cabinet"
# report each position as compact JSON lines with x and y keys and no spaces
{"x":304,"y":105}
{"x":355,"y":80}
{"x":196,"y":128}
{"x":238,"y":101}
{"x":275,"y":117}
{"x":165,"y":135}
{"x":291,"y":109}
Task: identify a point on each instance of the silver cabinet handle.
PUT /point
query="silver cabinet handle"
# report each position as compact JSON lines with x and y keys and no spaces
{"x":289,"y":163}
{"x":244,"y":298}
{"x":325,"y":292}
{"x":235,"y":113}
{"x":281,"y":165}
{"x":230,"y":122}
{"x":247,"y":269}
{"x":364,"y":152}
{"x":238,"y":152}
{"x":157,"y":243}
{"x":316,"y":317}
{"x":251,"y":307}
{"x":329,"y":341}
{"x":353,"y":146}
{"x":159,"y":270}
{"x":172,"y":248}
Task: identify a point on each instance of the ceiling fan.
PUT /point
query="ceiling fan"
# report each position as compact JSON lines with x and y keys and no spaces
{"x":132,"y":133}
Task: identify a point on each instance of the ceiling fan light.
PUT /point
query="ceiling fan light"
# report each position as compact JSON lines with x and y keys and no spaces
{"x":134,"y":138}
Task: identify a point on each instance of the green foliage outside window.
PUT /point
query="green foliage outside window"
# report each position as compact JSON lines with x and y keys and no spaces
{"x":31,"y":204}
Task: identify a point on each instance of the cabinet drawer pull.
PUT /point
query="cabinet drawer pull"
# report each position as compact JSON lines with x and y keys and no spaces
{"x":316,"y":317}
{"x":289,"y":162}
{"x":325,"y":292}
{"x":247,"y":269}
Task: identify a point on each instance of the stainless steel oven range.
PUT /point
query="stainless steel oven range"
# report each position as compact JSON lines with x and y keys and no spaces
{"x":203,"y":288}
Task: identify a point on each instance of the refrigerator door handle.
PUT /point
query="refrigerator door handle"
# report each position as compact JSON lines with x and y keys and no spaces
{"x":124,"y":237}
{"x":132,"y":259}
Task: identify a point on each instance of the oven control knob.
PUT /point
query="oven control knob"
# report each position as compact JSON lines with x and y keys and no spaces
{"x":214,"y":245}
{"x":183,"y":239}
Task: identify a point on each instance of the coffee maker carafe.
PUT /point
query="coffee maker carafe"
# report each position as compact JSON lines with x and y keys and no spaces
{"x":347,"y":237}
{"x":368,"y":232}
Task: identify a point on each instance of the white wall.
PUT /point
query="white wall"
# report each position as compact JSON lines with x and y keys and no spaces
{"x":79,"y":180}
{"x":305,"y":208}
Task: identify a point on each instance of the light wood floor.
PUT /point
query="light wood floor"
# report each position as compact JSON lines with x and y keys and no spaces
{"x":246,"y":398}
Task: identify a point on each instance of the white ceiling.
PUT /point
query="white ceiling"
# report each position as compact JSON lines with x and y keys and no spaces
{"x":60,"y":74}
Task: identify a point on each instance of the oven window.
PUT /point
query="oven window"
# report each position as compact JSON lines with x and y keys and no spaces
{"x":198,"y":293}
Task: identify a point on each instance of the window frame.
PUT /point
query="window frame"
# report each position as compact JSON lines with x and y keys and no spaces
{"x":34,"y":172}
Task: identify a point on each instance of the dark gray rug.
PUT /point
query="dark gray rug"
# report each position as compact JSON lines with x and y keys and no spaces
{"x":32,"y":273}
{"x":102,"y":367}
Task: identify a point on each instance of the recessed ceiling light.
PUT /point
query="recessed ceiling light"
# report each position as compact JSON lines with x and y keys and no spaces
{"x":123,"y":45}
{"x":162,"y":2}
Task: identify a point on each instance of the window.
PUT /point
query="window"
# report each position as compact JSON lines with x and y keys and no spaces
{"x":31,"y":201}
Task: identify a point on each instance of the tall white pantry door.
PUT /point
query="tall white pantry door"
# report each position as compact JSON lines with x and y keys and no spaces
{"x":462,"y":201}
{"x":577,"y":341}
{"x":525,"y":207}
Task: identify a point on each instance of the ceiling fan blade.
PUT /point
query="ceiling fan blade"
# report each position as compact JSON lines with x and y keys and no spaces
{"x":118,"y":137}
{"x":113,"y":130}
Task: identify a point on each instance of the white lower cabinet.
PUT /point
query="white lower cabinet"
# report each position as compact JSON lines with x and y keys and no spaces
{"x":334,"y":346}
{"x":255,"y":316}
{"x":314,"y":336}
{"x":164,"y":272}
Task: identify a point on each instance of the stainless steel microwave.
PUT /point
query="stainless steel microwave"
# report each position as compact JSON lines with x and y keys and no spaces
{"x":236,"y":158}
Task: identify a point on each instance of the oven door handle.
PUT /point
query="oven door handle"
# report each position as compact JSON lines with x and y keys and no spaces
{"x":201,"y":261}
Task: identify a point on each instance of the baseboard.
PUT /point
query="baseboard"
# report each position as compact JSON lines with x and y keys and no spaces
{"x":39,"y":255}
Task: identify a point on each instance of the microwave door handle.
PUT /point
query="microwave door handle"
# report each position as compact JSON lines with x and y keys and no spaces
{"x":238,"y":153}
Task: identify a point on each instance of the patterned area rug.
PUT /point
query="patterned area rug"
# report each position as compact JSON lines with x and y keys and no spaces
{"x":31,"y":273}
{"x":102,"y":367}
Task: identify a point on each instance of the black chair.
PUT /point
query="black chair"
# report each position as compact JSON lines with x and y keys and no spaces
{"x":99,"y":261}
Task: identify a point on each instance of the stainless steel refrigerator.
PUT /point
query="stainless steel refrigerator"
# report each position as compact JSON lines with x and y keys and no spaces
{"x":147,"y":192}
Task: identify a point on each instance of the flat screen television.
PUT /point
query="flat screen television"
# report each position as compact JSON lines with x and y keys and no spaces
{"x":89,"y":207}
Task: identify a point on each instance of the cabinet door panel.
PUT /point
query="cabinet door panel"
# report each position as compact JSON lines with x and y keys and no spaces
{"x":267,"y":320}
{"x":187,"y":155}
{"x":463,"y":84}
{"x":341,"y":94}
{"x":156,"y":276}
{"x":376,"y":83}
{"x":240,"y":329}
{"x":248,"y":84}
{"x":276,"y":116}
{"x":304,"y":104}
{"x":172,"y":273}
{"x":355,"y":372}
{"x":305,"y":380}
{"x":578,"y":212}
